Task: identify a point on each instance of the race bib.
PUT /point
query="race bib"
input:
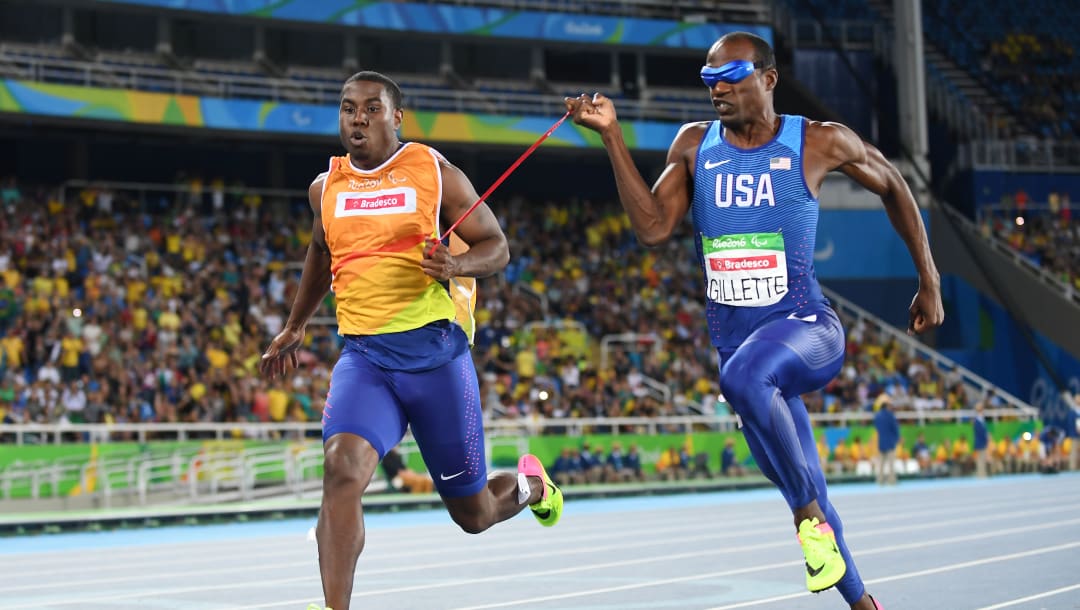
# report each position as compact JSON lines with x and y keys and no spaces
{"x":745,"y":270}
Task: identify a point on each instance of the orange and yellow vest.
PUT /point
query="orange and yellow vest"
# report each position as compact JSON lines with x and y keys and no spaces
{"x":375,"y":223}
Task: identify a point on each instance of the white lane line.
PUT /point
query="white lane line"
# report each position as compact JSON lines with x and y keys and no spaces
{"x":98,"y":560}
{"x":940,"y":569}
{"x":236,"y":585}
{"x":51,"y":558}
{"x":206,"y":560}
{"x":641,"y":585}
{"x":853,"y":512}
{"x":665,"y":558}
{"x":1030,"y":598}
{"x":658,"y":536}
{"x":937,"y":570}
{"x":694,"y":535}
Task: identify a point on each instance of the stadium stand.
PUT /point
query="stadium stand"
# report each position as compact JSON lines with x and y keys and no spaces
{"x":165,"y":323}
{"x":100,"y":324}
{"x":1044,"y":234}
{"x":1025,"y":55}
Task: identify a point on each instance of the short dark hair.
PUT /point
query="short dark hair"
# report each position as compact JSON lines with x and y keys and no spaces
{"x":388,"y":83}
{"x":763,"y":51}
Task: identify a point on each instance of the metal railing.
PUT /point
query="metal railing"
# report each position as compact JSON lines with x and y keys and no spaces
{"x":1030,"y":154}
{"x":144,"y":191}
{"x":194,"y":475}
{"x":956,"y":110}
{"x":518,"y":428}
{"x":654,"y":342}
{"x":850,"y":33}
{"x":314,"y":90}
{"x":1002,"y":247}
{"x":541,"y":299}
{"x":916,"y":348}
{"x":215,"y":475}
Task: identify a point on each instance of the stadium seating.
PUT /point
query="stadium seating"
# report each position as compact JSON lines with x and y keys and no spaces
{"x":1048,"y":238}
{"x":98,"y":323}
{"x":1025,"y":53}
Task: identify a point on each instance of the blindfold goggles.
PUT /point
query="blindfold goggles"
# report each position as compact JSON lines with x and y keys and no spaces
{"x":731,"y":72}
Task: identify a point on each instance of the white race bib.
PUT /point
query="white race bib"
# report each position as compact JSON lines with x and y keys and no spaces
{"x":745,"y":270}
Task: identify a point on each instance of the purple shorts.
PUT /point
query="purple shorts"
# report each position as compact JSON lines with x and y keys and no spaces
{"x":442,"y":406}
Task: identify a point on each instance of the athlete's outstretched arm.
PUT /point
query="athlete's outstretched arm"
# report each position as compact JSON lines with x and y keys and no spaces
{"x":488,"y":251}
{"x":862,"y":162}
{"x":654,"y":213}
{"x":314,"y":284}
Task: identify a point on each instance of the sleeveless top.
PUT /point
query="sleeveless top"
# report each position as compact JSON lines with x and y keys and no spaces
{"x":755,"y":224}
{"x":376,"y":222}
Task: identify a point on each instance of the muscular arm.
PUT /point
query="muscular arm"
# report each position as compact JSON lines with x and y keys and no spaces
{"x":832,"y":146}
{"x":865,"y":164}
{"x":488,"y":251}
{"x":654,"y":213}
{"x":315,"y":278}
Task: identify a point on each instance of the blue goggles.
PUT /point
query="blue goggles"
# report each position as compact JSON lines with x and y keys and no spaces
{"x":732,"y":72}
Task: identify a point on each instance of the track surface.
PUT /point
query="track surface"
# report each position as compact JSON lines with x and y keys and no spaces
{"x":959,"y":544}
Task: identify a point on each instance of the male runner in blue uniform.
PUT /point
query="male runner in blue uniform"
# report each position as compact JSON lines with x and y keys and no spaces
{"x":750,"y":181}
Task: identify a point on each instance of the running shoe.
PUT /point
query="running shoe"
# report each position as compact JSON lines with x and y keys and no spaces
{"x":824,"y":564}
{"x":549,"y":508}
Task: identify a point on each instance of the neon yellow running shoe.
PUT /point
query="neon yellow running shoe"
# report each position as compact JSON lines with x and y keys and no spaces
{"x":318,"y":607}
{"x":549,"y":508}
{"x":825,"y":565}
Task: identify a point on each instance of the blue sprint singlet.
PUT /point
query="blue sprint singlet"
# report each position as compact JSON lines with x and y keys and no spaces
{"x":755,"y":224}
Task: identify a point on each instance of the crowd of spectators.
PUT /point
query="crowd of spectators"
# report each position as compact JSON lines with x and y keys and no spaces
{"x":1044,"y":233}
{"x":1048,"y":451}
{"x":1037,"y":75}
{"x":123,"y":306}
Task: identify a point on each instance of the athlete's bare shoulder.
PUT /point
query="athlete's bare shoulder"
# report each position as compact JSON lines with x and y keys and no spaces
{"x":692,"y":133}
{"x":315,"y":192}
{"x":684,"y":146}
{"x":831,"y":139}
{"x":830,"y":145}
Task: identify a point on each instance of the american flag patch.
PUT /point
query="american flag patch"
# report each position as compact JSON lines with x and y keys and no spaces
{"x":780,"y":163}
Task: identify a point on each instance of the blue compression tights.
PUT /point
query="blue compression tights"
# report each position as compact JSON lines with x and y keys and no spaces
{"x":762,"y":380}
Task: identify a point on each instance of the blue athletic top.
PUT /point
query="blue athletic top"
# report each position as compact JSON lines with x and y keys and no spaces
{"x":756,"y":224}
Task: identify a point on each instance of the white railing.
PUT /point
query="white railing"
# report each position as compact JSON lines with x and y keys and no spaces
{"x":947,"y":366}
{"x":145,"y":192}
{"x":224,"y":474}
{"x":653,"y":341}
{"x":314,"y":91}
{"x":1003,"y":248}
{"x":190,"y":476}
{"x":849,"y":33}
{"x":958,"y":111}
{"x":54,"y":433}
{"x":22,"y":434}
{"x":1029,"y":154}
{"x":541,"y":299}
{"x":655,"y":344}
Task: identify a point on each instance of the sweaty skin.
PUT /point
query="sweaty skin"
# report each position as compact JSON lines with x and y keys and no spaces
{"x":746,"y":111}
{"x":368,"y":125}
